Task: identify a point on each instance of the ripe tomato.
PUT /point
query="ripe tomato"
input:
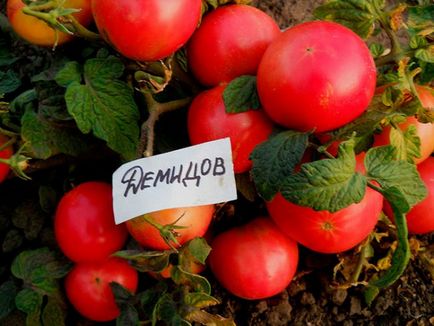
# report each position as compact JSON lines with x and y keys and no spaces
{"x":254,"y":261}
{"x":84,"y":223}
{"x":196,"y":221}
{"x":88,"y":287}
{"x":4,"y":154}
{"x":225,"y":46}
{"x":37,"y":31}
{"x":146,"y":30}
{"x":420,"y":219}
{"x":425,"y":131}
{"x":316,"y":75}
{"x":208,"y":120}
{"x":327,"y":232}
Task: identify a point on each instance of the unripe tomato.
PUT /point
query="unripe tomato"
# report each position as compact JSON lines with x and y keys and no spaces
{"x":4,"y":154}
{"x":254,"y":261}
{"x":316,"y":75}
{"x":420,"y":219}
{"x":208,"y":120}
{"x":229,"y":43}
{"x":88,"y":287}
{"x":84,"y":224}
{"x":146,"y":30}
{"x":37,"y":31}
{"x":195,"y":219}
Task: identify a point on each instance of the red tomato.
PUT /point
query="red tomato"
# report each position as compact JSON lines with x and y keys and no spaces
{"x":208,"y":120}
{"x":425,"y":131}
{"x":146,"y":30}
{"x":88,"y":287}
{"x":196,"y":220}
{"x":254,"y":261}
{"x":327,"y":232}
{"x":420,"y":219}
{"x":316,"y":75}
{"x":37,"y":31}
{"x":229,"y":43}
{"x":84,"y":223}
{"x":4,"y":154}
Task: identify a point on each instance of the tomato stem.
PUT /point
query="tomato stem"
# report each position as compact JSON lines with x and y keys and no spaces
{"x":365,"y":253}
{"x":80,"y":30}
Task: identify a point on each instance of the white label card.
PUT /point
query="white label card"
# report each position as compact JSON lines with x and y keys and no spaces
{"x":198,"y":175}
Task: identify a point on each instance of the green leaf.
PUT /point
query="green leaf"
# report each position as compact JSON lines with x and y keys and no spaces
{"x":146,"y":261}
{"x":241,"y":95}
{"x":426,"y":54}
{"x":275,"y":159}
{"x":194,"y":281}
{"x":28,"y":301}
{"x":199,"y":249}
{"x":29,"y":217}
{"x":200,"y":300}
{"x":358,"y":15}
{"x":54,"y":312}
{"x":329,"y":184}
{"x":6,"y":57}
{"x":12,"y":240}
{"x":376,"y":49}
{"x":420,"y":18}
{"x":46,"y":140}
{"x":122,"y":295}
{"x":417,"y":41}
{"x":402,"y":254}
{"x":70,"y":73}
{"x":382,"y":166}
{"x":407,"y":143}
{"x":8,"y":291}
{"x":129,"y":316}
{"x":9,"y":82}
{"x":166,"y":311}
{"x":103,"y":104}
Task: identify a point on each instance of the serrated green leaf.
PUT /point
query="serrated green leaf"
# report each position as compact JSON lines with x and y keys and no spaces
{"x":104,"y":105}
{"x":70,"y":73}
{"x":28,"y":301}
{"x":407,"y":143}
{"x":358,"y":15}
{"x":45,"y":140}
{"x":146,"y":261}
{"x":417,"y":41}
{"x":9,"y":82}
{"x":240,"y":95}
{"x":402,"y":254}
{"x":376,"y":49}
{"x":426,"y":54}
{"x":8,"y":291}
{"x":275,"y":159}
{"x":199,"y":249}
{"x":381,"y":166}
{"x":194,"y":281}
{"x":54,"y":312}
{"x":329,"y":184}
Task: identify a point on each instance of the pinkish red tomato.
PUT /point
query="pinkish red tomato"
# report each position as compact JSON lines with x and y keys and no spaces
{"x":4,"y":154}
{"x":317,"y":75}
{"x":229,"y":43}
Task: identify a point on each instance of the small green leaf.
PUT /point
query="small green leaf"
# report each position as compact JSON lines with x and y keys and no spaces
{"x":402,"y":254}
{"x":6,"y":57}
{"x":241,"y":95}
{"x":382,"y":166}
{"x":376,"y":49}
{"x":407,"y":143}
{"x":426,"y":54}
{"x":166,"y":311}
{"x":122,"y":295}
{"x":146,"y":261}
{"x":9,"y":82}
{"x":417,"y":41}
{"x":104,"y":105}
{"x":129,"y":316}
{"x":8,"y":291}
{"x":275,"y":159}
{"x":54,"y":312}
{"x":196,"y":282}
{"x":71,"y":72}
{"x":46,"y":140}
{"x":28,"y":301}
{"x":199,"y":249}
{"x":420,"y":18}
{"x":329,"y":184}
{"x":200,"y":300}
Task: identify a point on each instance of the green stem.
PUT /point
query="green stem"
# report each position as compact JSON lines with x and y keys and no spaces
{"x":82,"y":31}
{"x":45,"y":6}
{"x":364,"y":255}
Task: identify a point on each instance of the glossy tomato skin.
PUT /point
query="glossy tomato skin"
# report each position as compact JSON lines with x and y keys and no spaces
{"x":84,"y":223}
{"x":146,"y":30}
{"x":229,"y":43}
{"x":37,"y":31}
{"x":196,"y":219}
{"x":88,"y":287}
{"x":208,"y":120}
{"x":420,"y":219}
{"x":4,"y":154}
{"x":316,"y":75}
{"x":254,"y":261}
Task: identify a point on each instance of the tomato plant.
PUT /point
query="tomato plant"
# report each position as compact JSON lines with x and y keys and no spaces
{"x":254,"y":261}
{"x":316,"y":75}
{"x":208,"y":120}
{"x":238,"y":50}
{"x":420,"y":219}
{"x":39,"y":32}
{"x":84,"y":223}
{"x":88,"y":287}
{"x":146,"y":31}
{"x":182,"y":224}
{"x":5,"y":153}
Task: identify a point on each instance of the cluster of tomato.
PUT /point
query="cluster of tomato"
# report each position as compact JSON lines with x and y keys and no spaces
{"x":314,"y":76}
